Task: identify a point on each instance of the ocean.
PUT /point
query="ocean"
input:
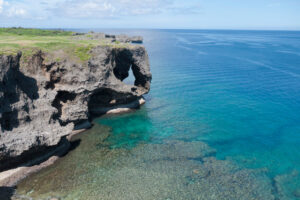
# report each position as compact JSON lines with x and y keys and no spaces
{"x":222,"y":121}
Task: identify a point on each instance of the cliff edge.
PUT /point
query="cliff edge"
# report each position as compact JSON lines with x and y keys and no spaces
{"x":46,"y":95}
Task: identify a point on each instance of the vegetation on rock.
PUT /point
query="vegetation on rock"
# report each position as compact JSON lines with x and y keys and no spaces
{"x":13,"y":40}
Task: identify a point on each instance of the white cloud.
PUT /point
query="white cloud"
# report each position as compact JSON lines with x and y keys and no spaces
{"x":81,"y":9}
{"x":1,"y":5}
{"x":92,"y":9}
{"x":16,"y":12}
{"x":114,"y":8}
{"x":12,"y":9}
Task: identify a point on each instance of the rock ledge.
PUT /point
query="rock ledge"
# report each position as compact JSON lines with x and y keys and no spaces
{"x":43,"y":99}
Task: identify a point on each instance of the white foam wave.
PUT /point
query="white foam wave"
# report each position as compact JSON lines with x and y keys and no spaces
{"x":270,"y":67}
{"x":290,"y":52}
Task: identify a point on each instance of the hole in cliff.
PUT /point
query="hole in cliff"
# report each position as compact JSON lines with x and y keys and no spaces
{"x":61,"y":97}
{"x":122,"y":59}
{"x":130,"y":79}
{"x":108,"y":97}
{"x":127,"y":66}
{"x":105,"y":98}
{"x":140,"y":80}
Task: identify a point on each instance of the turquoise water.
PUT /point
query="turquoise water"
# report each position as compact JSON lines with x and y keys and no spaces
{"x":237,"y":91}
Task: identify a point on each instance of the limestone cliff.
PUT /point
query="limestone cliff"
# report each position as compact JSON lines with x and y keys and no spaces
{"x":43,"y":99}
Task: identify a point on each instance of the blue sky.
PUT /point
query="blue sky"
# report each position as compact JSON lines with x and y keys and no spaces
{"x":195,"y":14}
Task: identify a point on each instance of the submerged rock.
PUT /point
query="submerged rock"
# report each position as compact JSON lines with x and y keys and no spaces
{"x":173,"y":169}
{"x":43,"y":98}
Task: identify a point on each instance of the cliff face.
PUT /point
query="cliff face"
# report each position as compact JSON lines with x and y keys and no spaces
{"x":44,"y":99}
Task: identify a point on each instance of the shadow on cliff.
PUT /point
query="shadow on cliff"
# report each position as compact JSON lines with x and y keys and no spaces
{"x":13,"y":84}
{"x":28,"y":85}
{"x":6,"y":192}
{"x":43,"y":155}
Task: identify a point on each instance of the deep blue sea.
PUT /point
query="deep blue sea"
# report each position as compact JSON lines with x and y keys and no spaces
{"x":236,"y":91}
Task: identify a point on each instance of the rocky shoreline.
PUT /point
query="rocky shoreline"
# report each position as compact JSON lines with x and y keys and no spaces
{"x":11,"y":177}
{"x":172,"y":169}
{"x":48,"y":97}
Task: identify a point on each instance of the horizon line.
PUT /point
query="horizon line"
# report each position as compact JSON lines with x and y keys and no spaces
{"x":195,"y":29}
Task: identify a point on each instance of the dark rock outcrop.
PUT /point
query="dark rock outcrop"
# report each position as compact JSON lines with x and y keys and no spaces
{"x":112,"y":38}
{"x":42,"y":100}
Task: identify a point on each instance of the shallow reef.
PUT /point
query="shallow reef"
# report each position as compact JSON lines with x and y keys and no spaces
{"x":173,"y":169}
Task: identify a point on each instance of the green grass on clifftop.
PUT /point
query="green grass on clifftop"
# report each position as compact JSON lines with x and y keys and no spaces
{"x":13,"y":40}
{"x":33,"y":32}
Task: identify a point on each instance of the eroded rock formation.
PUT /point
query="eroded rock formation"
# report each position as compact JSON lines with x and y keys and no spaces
{"x":43,"y":100}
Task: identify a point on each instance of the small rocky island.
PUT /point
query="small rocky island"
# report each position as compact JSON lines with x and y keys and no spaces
{"x":52,"y":83}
